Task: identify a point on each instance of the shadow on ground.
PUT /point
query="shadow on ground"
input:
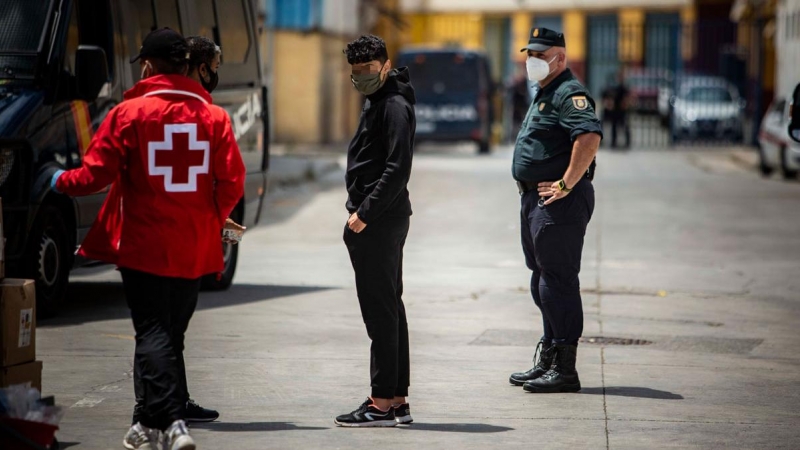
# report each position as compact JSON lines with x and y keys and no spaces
{"x":637,"y":392}
{"x":228,"y":427}
{"x":479,"y":428}
{"x":92,"y":302}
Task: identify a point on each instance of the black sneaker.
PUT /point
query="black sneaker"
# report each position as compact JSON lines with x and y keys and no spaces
{"x":402,"y":413}
{"x":196,"y":413}
{"x":367,"y":415}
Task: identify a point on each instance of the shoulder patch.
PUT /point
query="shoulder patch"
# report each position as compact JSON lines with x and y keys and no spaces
{"x":580,"y":102}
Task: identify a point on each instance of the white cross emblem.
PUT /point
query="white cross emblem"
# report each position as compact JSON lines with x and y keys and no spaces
{"x":180,"y":159}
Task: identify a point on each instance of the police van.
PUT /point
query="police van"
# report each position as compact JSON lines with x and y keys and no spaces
{"x":63,"y":65}
{"x":454,"y":92}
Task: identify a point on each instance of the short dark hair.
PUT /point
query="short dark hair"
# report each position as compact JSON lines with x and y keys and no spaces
{"x":201,"y":50}
{"x":365,"y":49}
{"x":169,"y":66}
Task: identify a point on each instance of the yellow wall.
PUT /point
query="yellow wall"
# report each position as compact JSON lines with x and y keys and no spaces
{"x":465,"y":30}
{"x":520,"y":32}
{"x":314,"y":99}
{"x":631,"y":35}
{"x":575,"y":34}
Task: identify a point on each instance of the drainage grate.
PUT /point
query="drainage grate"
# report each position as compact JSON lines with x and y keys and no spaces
{"x":607,"y":340}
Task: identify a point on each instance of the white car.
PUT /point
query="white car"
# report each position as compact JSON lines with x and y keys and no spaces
{"x":776,"y":149}
{"x":708,"y":109}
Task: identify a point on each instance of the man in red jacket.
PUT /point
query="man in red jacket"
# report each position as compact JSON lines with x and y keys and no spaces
{"x":178,"y":174}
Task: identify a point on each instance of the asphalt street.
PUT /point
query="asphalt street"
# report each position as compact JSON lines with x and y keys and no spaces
{"x":690,"y":288}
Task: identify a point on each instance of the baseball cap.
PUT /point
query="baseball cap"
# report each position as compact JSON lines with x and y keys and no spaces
{"x":543,"y":39}
{"x":163,"y":43}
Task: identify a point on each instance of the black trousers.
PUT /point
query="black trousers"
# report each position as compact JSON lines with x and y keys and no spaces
{"x":377,"y":257}
{"x":161,"y":309}
{"x":619,"y":121}
{"x":552,"y":240}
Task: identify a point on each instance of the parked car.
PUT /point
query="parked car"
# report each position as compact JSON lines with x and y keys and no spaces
{"x":666,"y":93}
{"x":644,"y":86}
{"x":776,"y":149}
{"x":64,"y":65}
{"x":454,"y":90}
{"x":707,"y":109}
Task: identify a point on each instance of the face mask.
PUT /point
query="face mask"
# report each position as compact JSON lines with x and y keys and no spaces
{"x":367,"y":83}
{"x":211,"y":84}
{"x":538,"y":69}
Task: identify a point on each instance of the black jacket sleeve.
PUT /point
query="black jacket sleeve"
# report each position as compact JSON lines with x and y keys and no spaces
{"x":398,"y":135}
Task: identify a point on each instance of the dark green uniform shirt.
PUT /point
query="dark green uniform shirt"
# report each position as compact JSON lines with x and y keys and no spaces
{"x":561,"y":111}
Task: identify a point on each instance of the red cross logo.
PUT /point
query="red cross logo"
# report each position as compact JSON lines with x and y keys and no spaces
{"x":180,"y":158}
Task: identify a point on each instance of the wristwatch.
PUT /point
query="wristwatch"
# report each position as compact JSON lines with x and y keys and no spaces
{"x":562,"y":186}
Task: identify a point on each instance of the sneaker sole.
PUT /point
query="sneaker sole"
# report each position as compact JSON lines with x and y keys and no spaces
{"x":183,"y":443}
{"x":404,"y":420}
{"x":371,"y":424}
{"x":555,"y":390}
{"x":131,"y":447}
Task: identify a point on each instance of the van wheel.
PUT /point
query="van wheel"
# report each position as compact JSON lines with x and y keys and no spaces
{"x":48,"y":260}
{"x":786,"y":172}
{"x":230,"y":256}
{"x":484,"y":148}
{"x":765,"y":169}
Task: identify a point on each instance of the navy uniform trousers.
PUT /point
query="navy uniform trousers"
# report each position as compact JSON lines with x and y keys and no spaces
{"x":552,"y":240}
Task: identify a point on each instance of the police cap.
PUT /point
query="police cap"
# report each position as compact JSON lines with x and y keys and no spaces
{"x":542,"y":39}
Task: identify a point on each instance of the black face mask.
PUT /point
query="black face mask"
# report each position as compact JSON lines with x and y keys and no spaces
{"x":211,"y":84}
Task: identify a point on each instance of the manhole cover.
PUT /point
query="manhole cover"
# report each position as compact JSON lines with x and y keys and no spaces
{"x":606,"y":340}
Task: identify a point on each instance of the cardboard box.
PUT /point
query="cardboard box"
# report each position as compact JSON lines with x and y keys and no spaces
{"x":22,"y":373}
{"x":17,"y":321}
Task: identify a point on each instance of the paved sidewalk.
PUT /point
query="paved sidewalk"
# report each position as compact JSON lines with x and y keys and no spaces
{"x":688,"y":251}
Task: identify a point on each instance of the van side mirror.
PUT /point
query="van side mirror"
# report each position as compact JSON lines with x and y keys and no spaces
{"x":91,"y":71}
{"x":794,"y":115}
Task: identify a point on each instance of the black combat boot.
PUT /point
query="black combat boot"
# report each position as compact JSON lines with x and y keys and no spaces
{"x":545,"y":352}
{"x":562,"y":377}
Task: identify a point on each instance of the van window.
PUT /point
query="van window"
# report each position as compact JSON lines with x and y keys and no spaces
{"x":146,"y":20}
{"x":233,"y":30}
{"x":443,"y":73}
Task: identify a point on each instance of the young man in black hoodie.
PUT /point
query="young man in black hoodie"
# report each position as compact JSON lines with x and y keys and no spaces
{"x":378,"y":170}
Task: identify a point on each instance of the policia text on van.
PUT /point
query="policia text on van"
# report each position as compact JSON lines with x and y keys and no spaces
{"x":63,"y":65}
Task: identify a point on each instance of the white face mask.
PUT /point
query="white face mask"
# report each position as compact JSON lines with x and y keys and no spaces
{"x":538,"y":69}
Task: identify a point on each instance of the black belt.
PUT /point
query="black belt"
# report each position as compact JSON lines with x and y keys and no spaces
{"x":527,"y":186}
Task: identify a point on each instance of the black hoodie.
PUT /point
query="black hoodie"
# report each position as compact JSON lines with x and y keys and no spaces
{"x":379,"y":157}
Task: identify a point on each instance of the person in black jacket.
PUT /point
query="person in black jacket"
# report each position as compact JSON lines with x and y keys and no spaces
{"x":378,"y":170}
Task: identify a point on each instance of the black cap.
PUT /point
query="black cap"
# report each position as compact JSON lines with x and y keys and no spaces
{"x":543,"y":38}
{"x":163,"y":43}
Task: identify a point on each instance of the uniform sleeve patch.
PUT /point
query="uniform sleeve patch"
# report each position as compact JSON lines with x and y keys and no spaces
{"x":580,"y":102}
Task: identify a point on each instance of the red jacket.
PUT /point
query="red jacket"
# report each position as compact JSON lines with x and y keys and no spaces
{"x":177,"y":174}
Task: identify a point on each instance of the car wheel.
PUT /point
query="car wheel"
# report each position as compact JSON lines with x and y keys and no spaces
{"x":484,"y":148}
{"x":786,"y":172}
{"x":48,"y":259}
{"x":763,"y":167}
{"x":230,"y":256}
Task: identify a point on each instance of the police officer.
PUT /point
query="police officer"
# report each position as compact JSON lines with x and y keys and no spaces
{"x":553,"y":165}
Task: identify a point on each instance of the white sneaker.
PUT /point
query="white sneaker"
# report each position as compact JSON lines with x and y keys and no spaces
{"x":177,"y":437}
{"x":139,"y":437}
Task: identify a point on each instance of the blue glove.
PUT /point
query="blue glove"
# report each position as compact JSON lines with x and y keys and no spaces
{"x":54,"y":180}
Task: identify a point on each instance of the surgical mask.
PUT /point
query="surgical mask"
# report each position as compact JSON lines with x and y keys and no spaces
{"x":367,"y":83}
{"x":211,"y":84}
{"x":538,"y":69}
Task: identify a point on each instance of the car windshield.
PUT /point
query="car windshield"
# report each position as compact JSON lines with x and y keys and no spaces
{"x":709,"y":95}
{"x":442,"y":72}
{"x":22,"y":24}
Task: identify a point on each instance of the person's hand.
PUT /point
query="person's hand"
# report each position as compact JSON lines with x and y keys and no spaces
{"x":355,"y":224}
{"x":550,"y":189}
{"x":237,"y":230}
